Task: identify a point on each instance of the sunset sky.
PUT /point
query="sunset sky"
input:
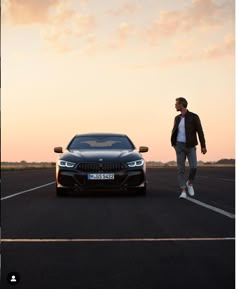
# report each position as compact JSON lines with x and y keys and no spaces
{"x":71,"y":66}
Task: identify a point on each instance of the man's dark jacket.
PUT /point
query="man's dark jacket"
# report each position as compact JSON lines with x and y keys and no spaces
{"x":192,"y":127}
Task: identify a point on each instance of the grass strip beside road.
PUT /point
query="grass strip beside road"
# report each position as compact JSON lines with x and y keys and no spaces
{"x":28,"y":166}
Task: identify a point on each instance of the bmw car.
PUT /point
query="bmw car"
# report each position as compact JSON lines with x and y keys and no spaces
{"x":100,"y":162}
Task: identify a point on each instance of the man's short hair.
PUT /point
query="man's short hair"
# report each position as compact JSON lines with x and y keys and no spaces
{"x":182,"y":101}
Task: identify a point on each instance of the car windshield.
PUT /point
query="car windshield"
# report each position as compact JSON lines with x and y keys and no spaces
{"x":101,"y":142}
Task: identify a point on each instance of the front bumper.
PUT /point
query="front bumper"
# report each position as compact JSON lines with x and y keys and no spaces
{"x":123,"y":180}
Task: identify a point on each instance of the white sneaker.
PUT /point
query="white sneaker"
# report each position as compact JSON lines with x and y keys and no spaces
{"x":183,"y":195}
{"x":190,"y":189}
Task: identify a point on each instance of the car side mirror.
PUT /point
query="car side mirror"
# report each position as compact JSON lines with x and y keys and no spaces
{"x":143,"y":149}
{"x":58,"y":150}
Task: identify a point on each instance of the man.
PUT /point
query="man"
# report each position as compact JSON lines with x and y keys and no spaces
{"x":184,"y":139}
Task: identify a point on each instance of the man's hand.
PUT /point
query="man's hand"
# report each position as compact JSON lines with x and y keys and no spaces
{"x":203,"y":150}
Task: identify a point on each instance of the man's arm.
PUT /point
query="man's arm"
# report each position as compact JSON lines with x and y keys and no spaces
{"x":200,"y":134}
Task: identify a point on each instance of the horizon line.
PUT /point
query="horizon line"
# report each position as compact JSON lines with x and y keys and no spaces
{"x":148,"y":161}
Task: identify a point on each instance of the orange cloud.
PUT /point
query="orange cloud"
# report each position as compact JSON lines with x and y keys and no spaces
{"x":66,"y":28}
{"x":212,"y":52}
{"x":120,"y":37}
{"x":21,"y":12}
{"x":221,"y":50}
{"x":126,"y":9}
{"x":123,"y":33}
{"x":201,"y":14}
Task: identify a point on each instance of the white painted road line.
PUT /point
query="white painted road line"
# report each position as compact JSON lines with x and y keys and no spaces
{"x":220,"y":211}
{"x":221,"y":179}
{"x":228,"y":180}
{"x":116,"y":240}
{"x":26,"y":191}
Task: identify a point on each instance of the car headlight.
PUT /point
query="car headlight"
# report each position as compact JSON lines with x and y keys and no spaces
{"x":137,"y":163}
{"x":66,"y":164}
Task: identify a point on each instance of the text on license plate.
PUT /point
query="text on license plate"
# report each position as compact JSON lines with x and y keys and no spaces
{"x":101,"y":176}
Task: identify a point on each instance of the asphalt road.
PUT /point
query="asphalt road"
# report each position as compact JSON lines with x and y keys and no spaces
{"x":102,"y":241}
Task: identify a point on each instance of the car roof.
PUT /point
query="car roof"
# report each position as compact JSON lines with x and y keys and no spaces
{"x":103,"y":134}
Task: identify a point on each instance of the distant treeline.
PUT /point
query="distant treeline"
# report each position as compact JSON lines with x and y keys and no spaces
{"x":25,"y":164}
{"x":228,"y":162}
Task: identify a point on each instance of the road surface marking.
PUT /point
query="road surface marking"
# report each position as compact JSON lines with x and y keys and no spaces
{"x":26,"y":191}
{"x":229,"y":180}
{"x":116,"y":240}
{"x":220,"y":211}
{"x":222,"y":179}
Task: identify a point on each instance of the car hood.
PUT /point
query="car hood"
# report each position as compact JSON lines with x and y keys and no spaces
{"x":105,"y":155}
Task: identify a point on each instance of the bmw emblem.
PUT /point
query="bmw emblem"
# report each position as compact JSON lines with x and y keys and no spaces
{"x":100,"y":160}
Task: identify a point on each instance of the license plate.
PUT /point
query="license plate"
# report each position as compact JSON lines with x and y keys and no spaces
{"x":101,"y":176}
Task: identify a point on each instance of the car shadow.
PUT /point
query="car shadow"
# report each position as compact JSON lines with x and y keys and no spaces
{"x":103,"y":194}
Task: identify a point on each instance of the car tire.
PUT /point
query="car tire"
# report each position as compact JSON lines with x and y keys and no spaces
{"x":60,"y":192}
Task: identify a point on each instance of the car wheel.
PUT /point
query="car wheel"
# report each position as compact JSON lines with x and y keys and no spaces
{"x":60,"y":192}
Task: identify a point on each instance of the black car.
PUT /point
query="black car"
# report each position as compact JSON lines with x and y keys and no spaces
{"x":100,"y":162}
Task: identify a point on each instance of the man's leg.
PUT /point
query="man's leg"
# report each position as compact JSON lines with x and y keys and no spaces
{"x":181,"y":158}
{"x":192,"y":159}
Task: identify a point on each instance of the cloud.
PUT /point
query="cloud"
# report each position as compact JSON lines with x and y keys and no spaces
{"x":67,"y":29}
{"x":200,"y":15}
{"x":84,"y":2}
{"x":225,"y":48}
{"x":63,"y":27}
{"x":67,"y":25}
{"x":120,"y":36}
{"x":126,"y":9}
{"x":123,"y":33}
{"x":24,"y":12}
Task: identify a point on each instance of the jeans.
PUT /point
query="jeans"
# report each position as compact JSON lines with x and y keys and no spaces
{"x":181,"y":153}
